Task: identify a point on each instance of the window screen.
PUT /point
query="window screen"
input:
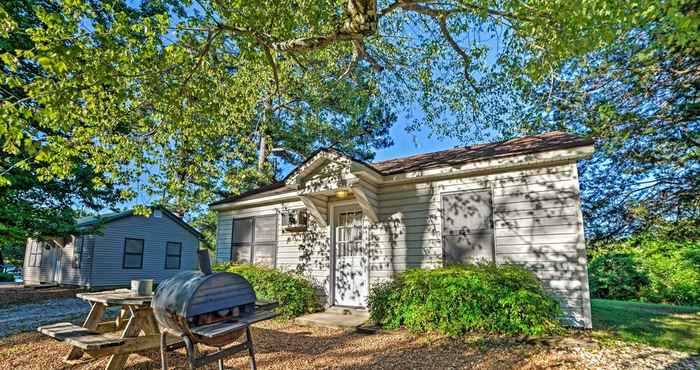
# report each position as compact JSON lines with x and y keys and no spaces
{"x":467,"y":227}
{"x":265,"y":245}
{"x":254,"y":240}
{"x":133,"y":253}
{"x":242,"y":240}
{"x":173,"y":255}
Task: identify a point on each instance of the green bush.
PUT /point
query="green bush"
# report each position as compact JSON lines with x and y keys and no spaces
{"x":655,"y":266}
{"x":616,"y":275}
{"x":454,"y":300}
{"x":294,"y":294}
{"x":4,"y":276}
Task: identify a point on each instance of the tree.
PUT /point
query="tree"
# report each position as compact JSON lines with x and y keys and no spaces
{"x":185,"y":100}
{"x":640,"y":97}
{"x":33,"y":204}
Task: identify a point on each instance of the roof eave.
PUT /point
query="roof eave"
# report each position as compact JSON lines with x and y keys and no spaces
{"x":568,"y":154}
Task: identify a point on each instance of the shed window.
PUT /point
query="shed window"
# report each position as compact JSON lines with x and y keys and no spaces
{"x":467,"y":227}
{"x":173,"y":255}
{"x":78,"y":249}
{"x":35,"y":250}
{"x":133,"y":253}
{"x":254,"y":240}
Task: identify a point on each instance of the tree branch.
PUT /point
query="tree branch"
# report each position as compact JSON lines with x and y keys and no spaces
{"x":442,"y":20}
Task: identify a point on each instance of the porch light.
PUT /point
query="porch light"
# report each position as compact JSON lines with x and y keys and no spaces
{"x":341,"y":194}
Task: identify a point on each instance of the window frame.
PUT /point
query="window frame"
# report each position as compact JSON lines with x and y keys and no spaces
{"x":179,"y":256}
{"x":252,"y":244}
{"x":143,"y":247}
{"x":491,"y":224}
{"x":36,"y":253}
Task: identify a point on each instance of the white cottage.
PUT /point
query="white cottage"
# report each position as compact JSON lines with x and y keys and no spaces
{"x":347,"y":224}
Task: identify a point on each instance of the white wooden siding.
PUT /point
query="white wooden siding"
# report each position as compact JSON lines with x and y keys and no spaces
{"x":537,"y":224}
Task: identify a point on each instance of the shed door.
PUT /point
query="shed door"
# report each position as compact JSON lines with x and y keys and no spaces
{"x":351,"y":268}
{"x":50,"y":263}
{"x":467,"y":227}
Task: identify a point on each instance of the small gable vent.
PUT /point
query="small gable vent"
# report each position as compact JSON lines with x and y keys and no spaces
{"x":295,"y":220}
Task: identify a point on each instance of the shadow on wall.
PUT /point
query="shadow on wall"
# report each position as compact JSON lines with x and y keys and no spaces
{"x":532,"y":218}
{"x":537,"y":225}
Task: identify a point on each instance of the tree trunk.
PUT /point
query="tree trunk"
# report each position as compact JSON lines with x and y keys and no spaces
{"x":266,"y":122}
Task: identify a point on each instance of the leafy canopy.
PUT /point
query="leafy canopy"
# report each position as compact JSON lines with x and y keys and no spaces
{"x":187,"y":100}
{"x":640,"y":97}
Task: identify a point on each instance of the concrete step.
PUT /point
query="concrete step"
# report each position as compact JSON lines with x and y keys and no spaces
{"x":338,"y":318}
{"x":348,"y":311}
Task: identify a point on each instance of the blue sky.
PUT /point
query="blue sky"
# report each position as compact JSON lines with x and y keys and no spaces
{"x":412,"y":143}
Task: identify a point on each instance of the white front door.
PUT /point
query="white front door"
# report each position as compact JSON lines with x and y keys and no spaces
{"x":351,"y":258}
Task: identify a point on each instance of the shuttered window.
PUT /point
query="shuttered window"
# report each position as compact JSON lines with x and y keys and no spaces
{"x":467,"y":231}
{"x":254,"y":240}
{"x":173,"y":255}
{"x":133,"y":253}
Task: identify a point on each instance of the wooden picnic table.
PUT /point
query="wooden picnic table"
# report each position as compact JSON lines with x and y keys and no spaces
{"x":114,"y":338}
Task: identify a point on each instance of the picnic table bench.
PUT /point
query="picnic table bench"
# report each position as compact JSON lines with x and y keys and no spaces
{"x":114,"y":338}
{"x":120,"y":337}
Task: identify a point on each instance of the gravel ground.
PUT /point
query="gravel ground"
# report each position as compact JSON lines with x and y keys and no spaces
{"x":283,"y":345}
{"x":28,"y":316}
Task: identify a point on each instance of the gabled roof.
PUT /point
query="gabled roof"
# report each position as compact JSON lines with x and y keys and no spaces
{"x":89,"y":221}
{"x":461,"y":155}
{"x":446,"y":158}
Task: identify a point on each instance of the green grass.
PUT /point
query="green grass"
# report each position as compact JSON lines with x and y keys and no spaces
{"x":659,"y":325}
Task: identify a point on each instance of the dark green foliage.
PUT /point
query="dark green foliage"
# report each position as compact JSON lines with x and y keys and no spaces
{"x":616,"y":275}
{"x":4,"y":276}
{"x":294,"y":294}
{"x":454,"y":300}
{"x":655,"y":266}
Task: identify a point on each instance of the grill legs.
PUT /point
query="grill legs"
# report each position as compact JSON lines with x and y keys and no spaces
{"x":163,"y":360}
{"x":251,"y":348}
{"x":195,"y":360}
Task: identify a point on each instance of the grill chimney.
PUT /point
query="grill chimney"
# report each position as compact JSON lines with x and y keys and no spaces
{"x":204,"y":261}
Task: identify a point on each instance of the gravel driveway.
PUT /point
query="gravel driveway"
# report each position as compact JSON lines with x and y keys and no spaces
{"x":284,"y":345}
{"x":26,"y":317}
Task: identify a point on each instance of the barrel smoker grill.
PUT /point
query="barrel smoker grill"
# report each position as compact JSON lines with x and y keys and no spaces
{"x":213,"y":309}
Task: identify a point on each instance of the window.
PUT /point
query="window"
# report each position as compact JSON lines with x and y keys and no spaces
{"x":133,"y":253}
{"x":254,"y":240}
{"x":78,"y":249}
{"x":173,"y":254}
{"x":467,"y":227}
{"x":35,"y":250}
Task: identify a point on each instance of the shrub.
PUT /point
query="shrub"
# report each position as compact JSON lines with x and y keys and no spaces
{"x":294,"y":294}
{"x":453,"y":300}
{"x":4,"y":276}
{"x":616,"y":275}
{"x":650,"y":267}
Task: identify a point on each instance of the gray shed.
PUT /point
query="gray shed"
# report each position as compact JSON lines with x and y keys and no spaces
{"x":348,"y":224}
{"x":124,"y":247}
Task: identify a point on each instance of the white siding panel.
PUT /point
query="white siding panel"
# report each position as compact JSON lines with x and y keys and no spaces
{"x":537,"y":224}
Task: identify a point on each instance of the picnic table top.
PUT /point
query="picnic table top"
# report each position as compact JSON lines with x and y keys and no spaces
{"x":117,"y":297}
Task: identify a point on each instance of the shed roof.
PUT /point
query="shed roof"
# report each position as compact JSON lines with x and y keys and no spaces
{"x":446,"y":158}
{"x":109,"y":217}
